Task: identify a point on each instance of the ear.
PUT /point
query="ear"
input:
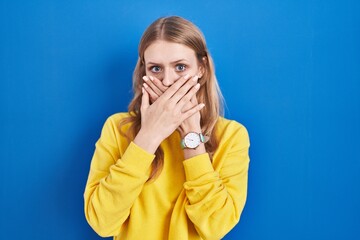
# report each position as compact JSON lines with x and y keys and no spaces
{"x":201,"y":71}
{"x":202,"y":67}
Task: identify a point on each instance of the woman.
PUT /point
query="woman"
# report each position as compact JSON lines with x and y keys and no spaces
{"x":170,"y":168}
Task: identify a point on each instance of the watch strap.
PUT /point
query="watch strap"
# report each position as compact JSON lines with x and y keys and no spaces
{"x":182,"y":144}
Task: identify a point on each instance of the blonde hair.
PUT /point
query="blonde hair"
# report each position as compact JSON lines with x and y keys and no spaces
{"x":178,"y":30}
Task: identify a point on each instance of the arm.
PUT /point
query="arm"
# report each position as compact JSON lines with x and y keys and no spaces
{"x":113,"y":183}
{"x":217,"y":198}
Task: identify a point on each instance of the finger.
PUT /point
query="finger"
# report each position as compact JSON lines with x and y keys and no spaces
{"x":144,"y":99}
{"x":192,"y":111}
{"x":158,"y":83}
{"x":175,"y":87}
{"x":193,"y":102}
{"x":187,"y":106}
{"x":187,"y":98}
{"x":184,"y":90}
{"x":152,"y":94}
{"x":153,"y":87}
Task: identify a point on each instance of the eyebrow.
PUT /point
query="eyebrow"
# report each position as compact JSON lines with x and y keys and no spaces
{"x":180,"y":60}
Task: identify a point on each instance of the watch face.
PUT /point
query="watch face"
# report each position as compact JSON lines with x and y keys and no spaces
{"x":192,"y":140}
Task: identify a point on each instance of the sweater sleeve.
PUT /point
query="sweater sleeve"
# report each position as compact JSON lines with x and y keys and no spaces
{"x":217,"y":198}
{"x":114,"y":182}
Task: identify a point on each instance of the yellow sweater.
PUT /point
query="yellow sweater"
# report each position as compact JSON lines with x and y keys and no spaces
{"x":191,"y":199}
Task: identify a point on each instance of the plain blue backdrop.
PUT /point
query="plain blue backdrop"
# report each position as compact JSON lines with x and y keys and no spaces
{"x":289,"y":71}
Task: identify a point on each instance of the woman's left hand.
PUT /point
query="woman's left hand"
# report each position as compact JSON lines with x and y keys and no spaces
{"x":156,"y":89}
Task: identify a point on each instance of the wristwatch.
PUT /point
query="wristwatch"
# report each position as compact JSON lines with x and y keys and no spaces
{"x":192,"y":140}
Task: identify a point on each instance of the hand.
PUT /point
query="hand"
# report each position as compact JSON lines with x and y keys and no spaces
{"x":155,"y":89}
{"x":192,"y":123}
{"x":161,"y":118}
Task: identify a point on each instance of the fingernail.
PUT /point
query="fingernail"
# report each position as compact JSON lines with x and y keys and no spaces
{"x":145,"y":85}
{"x":145,"y":78}
{"x":202,"y":105}
{"x":187,"y":76}
{"x":195,"y":78}
{"x":197,"y":86}
{"x":151,"y":78}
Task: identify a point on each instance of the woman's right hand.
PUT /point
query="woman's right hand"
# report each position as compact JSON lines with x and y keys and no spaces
{"x":163,"y":117}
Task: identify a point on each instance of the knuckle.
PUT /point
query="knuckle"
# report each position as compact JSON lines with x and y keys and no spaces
{"x":161,"y":101}
{"x":187,"y":97}
{"x":182,"y":91}
{"x":182,"y":81}
{"x":190,"y":83}
{"x":177,"y":85}
{"x":168,"y":108}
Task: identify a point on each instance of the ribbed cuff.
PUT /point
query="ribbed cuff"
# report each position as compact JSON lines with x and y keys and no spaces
{"x":137,"y":158}
{"x":197,"y":166}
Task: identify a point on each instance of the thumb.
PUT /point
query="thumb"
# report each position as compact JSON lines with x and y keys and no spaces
{"x":144,"y":99}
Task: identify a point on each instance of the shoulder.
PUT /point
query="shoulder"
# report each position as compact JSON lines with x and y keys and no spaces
{"x":113,"y":132}
{"x":229,"y":127}
{"x":116,"y":118}
{"x":230,"y":130}
{"x":114,"y":122}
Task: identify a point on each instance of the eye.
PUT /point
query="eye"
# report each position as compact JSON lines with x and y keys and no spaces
{"x":155,"y":69}
{"x":180,"y":67}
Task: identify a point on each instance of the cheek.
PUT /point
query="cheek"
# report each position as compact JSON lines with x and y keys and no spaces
{"x":157,"y":75}
{"x":192,"y":71}
{"x":149,"y":73}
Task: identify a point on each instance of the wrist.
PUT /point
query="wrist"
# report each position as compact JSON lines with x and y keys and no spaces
{"x":147,"y":140}
{"x":192,"y":140}
{"x":185,"y":130}
{"x":189,"y":153}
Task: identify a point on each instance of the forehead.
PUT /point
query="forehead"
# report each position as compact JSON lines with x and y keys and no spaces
{"x":164,"y":51}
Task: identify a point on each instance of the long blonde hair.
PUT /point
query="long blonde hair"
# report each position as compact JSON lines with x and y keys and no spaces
{"x":178,"y":30}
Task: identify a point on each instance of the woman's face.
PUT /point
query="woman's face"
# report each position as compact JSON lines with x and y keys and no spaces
{"x":168,"y":61}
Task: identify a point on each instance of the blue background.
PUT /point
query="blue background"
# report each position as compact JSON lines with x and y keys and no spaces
{"x":289,"y":71}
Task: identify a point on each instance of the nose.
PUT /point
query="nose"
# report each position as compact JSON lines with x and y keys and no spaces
{"x":169,"y":77}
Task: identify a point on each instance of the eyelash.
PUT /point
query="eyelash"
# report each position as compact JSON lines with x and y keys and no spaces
{"x":181,"y":65}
